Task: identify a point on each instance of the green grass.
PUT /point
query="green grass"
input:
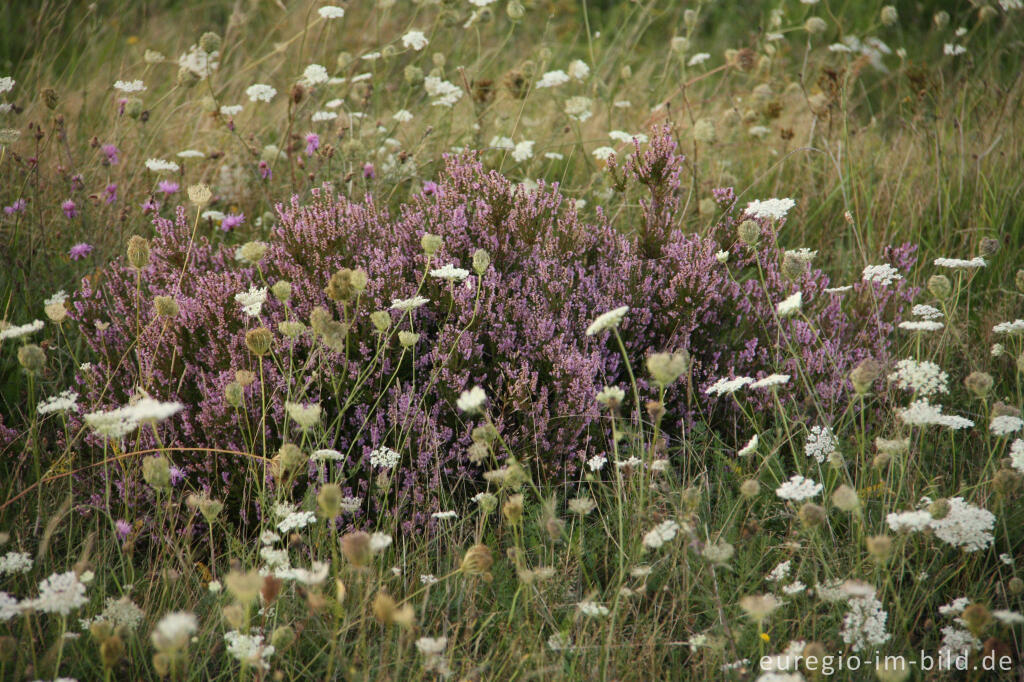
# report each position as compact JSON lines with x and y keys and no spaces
{"x":925,"y":151}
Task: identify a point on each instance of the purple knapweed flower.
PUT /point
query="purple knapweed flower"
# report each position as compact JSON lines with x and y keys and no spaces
{"x":110,"y":193}
{"x":312,"y":143}
{"x":368,"y":171}
{"x":168,"y":187}
{"x":123,"y":528}
{"x":265,"y":171}
{"x":231,"y":221}
{"x":112,"y":154}
{"x":17,"y":207}
{"x":79,"y":251}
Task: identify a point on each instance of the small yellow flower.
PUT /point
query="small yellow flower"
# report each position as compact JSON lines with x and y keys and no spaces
{"x":765,"y":637}
{"x":132,"y":40}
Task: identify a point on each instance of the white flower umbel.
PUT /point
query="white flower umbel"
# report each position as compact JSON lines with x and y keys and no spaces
{"x":260,"y":92}
{"x":728,"y":386}
{"x":769,"y":209}
{"x":660,"y":534}
{"x":923,"y":377}
{"x":965,"y":526}
{"x":884,"y":274}
{"x":249,"y":649}
{"x":821,"y":442}
{"x":60,"y":593}
{"x":472,"y":401}
{"x":923,"y":413}
{"x":450,"y":273}
{"x":798,"y":489}
{"x":609,"y":320}
{"x":252,"y":301}
{"x":384,"y":458}
{"x":790,"y":305}
{"x":864,"y":624}
{"x":407,"y":304}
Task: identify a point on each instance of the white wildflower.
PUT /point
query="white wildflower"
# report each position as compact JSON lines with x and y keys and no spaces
{"x":884,"y":274}
{"x":472,"y":401}
{"x":162,"y":166}
{"x":660,"y":534}
{"x":821,"y":442}
{"x":260,"y":92}
{"x":728,"y":386}
{"x":252,"y":301}
{"x":553,"y":79}
{"x":384,"y":458}
{"x":609,"y":320}
{"x":798,"y":488}
{"x":769,"y":209}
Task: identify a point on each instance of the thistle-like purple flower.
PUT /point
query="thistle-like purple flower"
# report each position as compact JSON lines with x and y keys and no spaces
{"x":79,"y":251}
{"x":231,"y":221}
{"x":312,"y":143}
{"x":112,"y":154}
{"x":69,"y":208}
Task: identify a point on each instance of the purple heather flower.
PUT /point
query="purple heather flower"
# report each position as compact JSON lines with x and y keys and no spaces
{"x":112,"y":154}
{"x":69,"y":208}
{"x":312,"y":143}
{"x":368,"y":171}
{"x":540,"y":298}
{"x":17,"y":207}
{"x":80,"y":250}
{"x":265,"y":171}
{"x":168,"y":186}
{"x":231,"y":221}
{"x":123,"y":529}
{"x":723,"y":195}
{"x":111,"y":193}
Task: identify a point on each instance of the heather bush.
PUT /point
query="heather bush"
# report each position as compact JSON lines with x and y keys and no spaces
{"x":515,"y":327}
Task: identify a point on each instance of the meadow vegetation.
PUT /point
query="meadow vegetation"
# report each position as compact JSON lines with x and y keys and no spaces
{"x":505,"y":339}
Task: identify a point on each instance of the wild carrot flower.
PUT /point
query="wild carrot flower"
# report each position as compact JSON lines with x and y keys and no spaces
{"x":60,"y":593}
{"x":472,"y":401}
{"x":884,"y":274}
{"x":592,"y":609}
{"x":331,"y":12}
{"x":769,"y":209}
{"x":798,"y":488}
{"x":864,"y":623}
{"x":15,"y":562}
{"x":415,"y":39}
{"x":384,"y":458}
{"x":728,"y":386}
{"x":552,"y":79}
{"x":260,"y":92}
{"x":790,"y":306}
{"x":162,"y":166}
{"x":660,"y":534}
{"x":609,"y":320}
